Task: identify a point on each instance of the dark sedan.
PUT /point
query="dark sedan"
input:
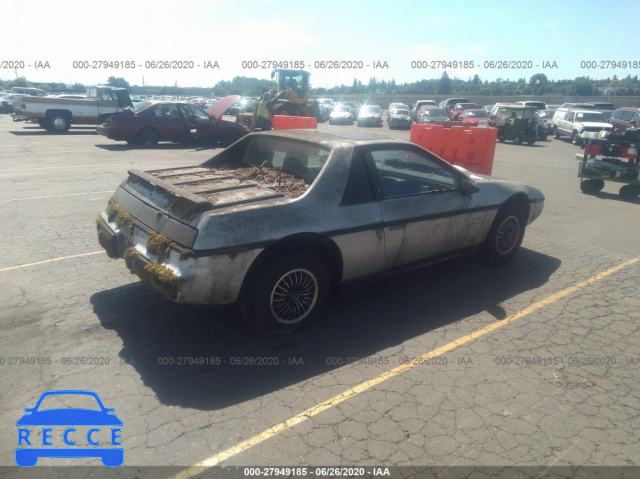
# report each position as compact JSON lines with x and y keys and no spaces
{"x":151,"y":122}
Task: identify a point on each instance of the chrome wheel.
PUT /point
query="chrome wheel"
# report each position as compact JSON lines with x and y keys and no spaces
{"x":294,"y":296}
{"x":508,"y":235}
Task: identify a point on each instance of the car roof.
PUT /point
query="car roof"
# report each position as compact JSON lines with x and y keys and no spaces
{"x":333,"y":138}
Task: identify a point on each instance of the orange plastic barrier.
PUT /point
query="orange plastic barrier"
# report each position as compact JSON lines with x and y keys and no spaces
{"x":472,"y":148}
{"x":281,"y":122}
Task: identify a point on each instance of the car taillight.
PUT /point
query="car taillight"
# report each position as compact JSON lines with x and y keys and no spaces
{"x":113,"y":121}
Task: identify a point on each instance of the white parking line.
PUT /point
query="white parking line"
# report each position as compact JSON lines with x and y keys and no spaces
{"x":55,"y":196}
{"x":49,"y":261}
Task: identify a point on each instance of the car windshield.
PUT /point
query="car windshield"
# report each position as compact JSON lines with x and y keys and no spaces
{"x":301,"y":159}
{"x":402,"y":112}
{"x":343,"y":108}
{"x":433,"y":112}
{"x":595,"y":116}
{"x":371,"y":109}
{"x":141,"y":105}
{"x":65,"y":401}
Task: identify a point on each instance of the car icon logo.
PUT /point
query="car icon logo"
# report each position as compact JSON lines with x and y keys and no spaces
{"x":69,"y":432}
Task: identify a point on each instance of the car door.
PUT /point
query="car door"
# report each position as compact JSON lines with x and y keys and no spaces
{"x":205,"y":125}
{"x":565,"y":125}
{"x":424,"y":211}
{"x":167,"y":120}
{"x":362,"y":245}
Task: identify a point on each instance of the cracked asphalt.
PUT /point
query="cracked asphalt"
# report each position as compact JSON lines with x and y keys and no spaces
{"x":555,"y":388}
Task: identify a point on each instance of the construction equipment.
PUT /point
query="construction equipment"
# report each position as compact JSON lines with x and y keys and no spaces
{"x":292,"y":98}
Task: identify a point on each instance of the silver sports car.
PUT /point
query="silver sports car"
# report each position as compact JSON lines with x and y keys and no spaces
{"x":280,"y":219}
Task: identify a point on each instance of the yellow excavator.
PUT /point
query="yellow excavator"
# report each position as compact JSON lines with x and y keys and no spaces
{"x":292,"y":98}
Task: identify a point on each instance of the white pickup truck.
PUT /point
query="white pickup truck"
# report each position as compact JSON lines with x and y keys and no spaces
{"x":57,"y":114}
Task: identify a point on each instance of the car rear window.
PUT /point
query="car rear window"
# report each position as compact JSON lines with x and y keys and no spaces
{"x":302,"y":159}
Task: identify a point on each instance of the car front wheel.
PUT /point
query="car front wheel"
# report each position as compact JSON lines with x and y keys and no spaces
{"x":286,"y":294}
{"x":505,"y":236}
{"x":147,"y":138}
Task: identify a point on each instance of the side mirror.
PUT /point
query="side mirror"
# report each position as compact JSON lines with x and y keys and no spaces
{"x":467,"y":187}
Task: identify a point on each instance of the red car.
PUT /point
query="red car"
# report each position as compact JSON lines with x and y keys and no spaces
{"x":152,"y":121}
{"x":475,"y":117}
{"x":457,"y":110}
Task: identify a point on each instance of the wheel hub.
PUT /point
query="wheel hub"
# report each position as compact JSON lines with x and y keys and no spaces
{"x":294,"y":296}
{"x":508,"y":234}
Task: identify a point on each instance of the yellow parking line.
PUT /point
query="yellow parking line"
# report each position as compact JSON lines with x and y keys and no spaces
{"x":55,"y":196}
{"x":49,"y":261}
{"x":366,"y":385}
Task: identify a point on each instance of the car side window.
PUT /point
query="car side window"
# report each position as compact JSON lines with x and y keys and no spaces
{"x":401,"y":172}
{"x":626,"y":115}
{"x":570,"y":116}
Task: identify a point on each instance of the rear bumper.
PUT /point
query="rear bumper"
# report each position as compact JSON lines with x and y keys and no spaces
{"x":115,"y":133}
{"x":181,"y":275}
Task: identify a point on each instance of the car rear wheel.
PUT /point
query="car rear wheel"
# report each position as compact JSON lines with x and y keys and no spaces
{"x":58,"y":123}
{"x":286,"y":294}
{"x":505,"y":236}
{"x":147,"y":138}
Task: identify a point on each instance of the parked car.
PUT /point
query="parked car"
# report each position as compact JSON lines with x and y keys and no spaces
{"x":341,"y":114}
{"x":544,"y":123}
{"x":370,"y":115}
{"x":399,"y":118}
{"x":345,"y":207}
{"x":151,"y":122}
{"x":456,"y":112}
{"x":602,"y":105}
{"x":574,"y":123}
{"x":328,"y":103}
{"x":540,"y":105}
{"x":393,"y":106}
{"x":432,"y":115}
{"x":244,"y":104}
{"x":475,"y":117}
{"x":6,"y":102}
{"x":415,"y":109}
{"x":354,"y":107}
{"x":621,"y":118}
{"x":451,"y":102}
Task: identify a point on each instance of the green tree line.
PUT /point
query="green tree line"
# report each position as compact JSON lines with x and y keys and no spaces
{"x":537,"y":84}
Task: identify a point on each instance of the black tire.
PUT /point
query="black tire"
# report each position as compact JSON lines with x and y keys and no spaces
{"x":590,"y":187}
{"x":531,"y":141}
{"x":147,"y":138}
{"x":575,"y":139}
{"x":629,"y":192}
{"x":286,"y":294}
{"x":229,"y":137}
{"x":43,"y":124}
{"x":58,"y":122}
{"x":131,"y":142}
{"x":501,"y":138}
{"x":505,"y":236}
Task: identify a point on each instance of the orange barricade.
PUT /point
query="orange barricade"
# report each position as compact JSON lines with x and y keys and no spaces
{"x":472,"y":148}
{"x":281,"y":122}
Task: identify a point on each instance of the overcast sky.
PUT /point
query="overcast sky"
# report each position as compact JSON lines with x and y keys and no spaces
{"x":394,"y":31}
